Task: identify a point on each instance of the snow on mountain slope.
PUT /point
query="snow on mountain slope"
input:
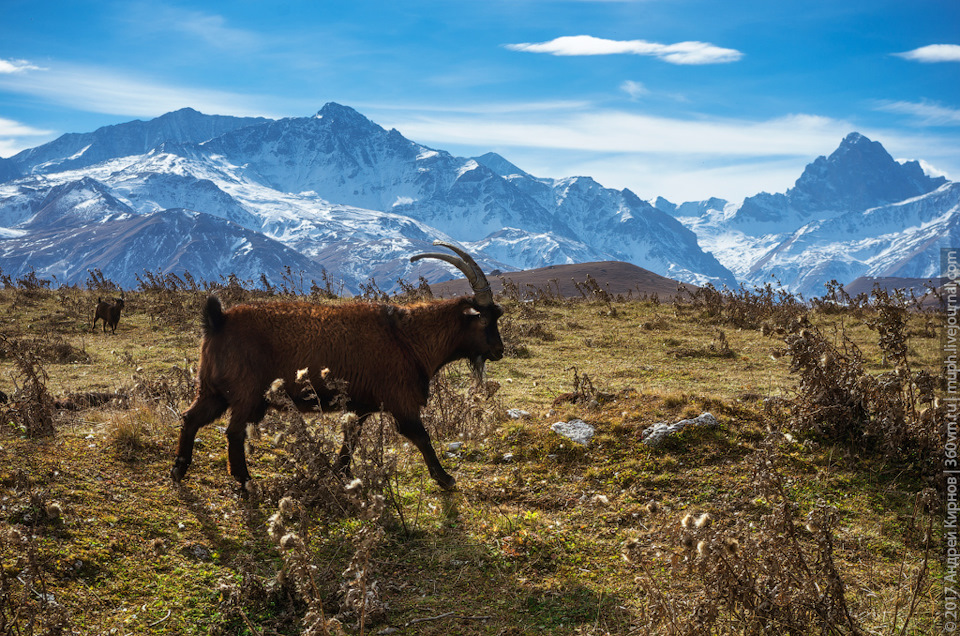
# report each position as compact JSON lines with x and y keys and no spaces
{"x":345,"y":158}
{"x":902,"y":239}
{"x":338,"y":191}
{"x":168,"y":241}
{"x":527,"y":250}
{"x":843,"y":212}
{"x":72,"y":151}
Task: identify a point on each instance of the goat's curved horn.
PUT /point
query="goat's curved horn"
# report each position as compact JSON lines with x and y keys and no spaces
{"x":469,"y":267}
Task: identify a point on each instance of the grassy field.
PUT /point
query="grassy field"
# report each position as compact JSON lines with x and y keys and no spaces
{"x":808,"y":508}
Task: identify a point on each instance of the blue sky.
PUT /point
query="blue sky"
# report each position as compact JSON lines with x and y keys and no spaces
{"x":678,"y":98}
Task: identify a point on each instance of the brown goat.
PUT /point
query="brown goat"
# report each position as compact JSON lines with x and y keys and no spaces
{"x":109,"y":312}
{"x":387,"y":354}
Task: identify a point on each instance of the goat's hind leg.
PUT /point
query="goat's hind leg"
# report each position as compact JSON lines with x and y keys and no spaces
{"x":240,"y":416}
{"x":205,"y":409}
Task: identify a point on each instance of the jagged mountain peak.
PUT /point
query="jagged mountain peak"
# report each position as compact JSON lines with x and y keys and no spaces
{"x":79,"y":150}
{"x":858,"y":175}
{"x":499,"y":165}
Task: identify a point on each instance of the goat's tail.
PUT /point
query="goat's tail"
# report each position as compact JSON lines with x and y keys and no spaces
{"x":213,"y":317}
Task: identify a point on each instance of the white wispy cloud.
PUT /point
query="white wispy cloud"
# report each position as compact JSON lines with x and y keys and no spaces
{"x":933,"y":53}
{"x":634,"y":89}
{"x":14,"y":136}
{"x":209,"y":29}
{"x":683,"y":159}
{"x":928,"y":114}
{"x":99,"y":90}
{"x":678,"y":53}
{"x":17,"y":66}
{"x":614,"y":131}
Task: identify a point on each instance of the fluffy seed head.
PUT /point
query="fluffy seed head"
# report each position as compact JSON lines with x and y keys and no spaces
{"x":53,"y":510}
{"x":687,"y":521}
{"x":731,"y":546}
{"x":704,"y":520}
{"x":276,"y":385}
{"x":290,"y":541}
{"x":653,"y":507}
{"x":630,"y":550}
{"x":302,"y":374}
{"x":287,"y":507}
{"x":275,"y":526}
{"x":703,"y":549}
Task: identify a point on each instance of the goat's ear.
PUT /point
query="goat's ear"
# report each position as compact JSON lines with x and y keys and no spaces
{"x":470,"y":311}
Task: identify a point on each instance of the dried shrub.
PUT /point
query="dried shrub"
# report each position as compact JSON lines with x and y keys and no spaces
{"x":777,"y":578}
{"x":31,"y":406}
{"x":306,"y":464}
{"x":838,"y":399}
{"x":167,"y":390}
{"x":743,"y":308}
{"x":461,"y":406}
{"x":591,"y":290}
{"x":307,"y":484}
{"x":584,"y":393}
{"x":26,"y":605}
{"x":410,"y":293}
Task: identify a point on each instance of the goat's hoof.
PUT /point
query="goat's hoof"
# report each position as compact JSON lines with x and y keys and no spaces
{"x":179,"y":470}
{"x":446,"y":481}
{"x":247,"y":489}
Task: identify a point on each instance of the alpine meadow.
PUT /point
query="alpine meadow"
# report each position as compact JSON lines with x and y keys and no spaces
{"x":798,"y":496}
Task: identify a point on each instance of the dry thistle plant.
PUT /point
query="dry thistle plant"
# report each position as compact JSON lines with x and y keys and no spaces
{"x":26,"y":605}
{"x":773,"y":579}
{"x":838,"y":399}
{"x":460,"y":406}
{"x":306,"y":464}
{"x":31,"y":404}
{"x":360,"y":592}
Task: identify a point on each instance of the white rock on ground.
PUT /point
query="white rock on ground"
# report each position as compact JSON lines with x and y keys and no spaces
{"x":574,"y":430}
{"x":654,"y":435}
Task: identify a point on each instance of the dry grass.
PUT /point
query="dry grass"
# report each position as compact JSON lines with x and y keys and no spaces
{"x":808,"y":530}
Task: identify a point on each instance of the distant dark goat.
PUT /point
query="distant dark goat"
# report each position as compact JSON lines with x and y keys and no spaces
{"x":387,"y":355}
{"x":109,"y":312}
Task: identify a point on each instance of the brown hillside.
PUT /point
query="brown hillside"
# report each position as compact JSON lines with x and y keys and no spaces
{"x":615,"y":277}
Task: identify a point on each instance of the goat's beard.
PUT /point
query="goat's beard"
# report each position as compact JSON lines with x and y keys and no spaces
{"x":478,"y":366}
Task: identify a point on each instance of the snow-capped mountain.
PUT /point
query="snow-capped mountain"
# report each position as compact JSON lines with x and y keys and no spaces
{"x":333,"y":191}
{"x":72,"y":151}
{"x":856,"y":212}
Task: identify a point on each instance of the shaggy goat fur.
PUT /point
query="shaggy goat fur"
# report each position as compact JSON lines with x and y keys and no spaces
{"x":387,"y":355}
{"x":109,"y":312}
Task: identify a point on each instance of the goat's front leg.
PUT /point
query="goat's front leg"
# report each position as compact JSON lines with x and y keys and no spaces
{"x":412,"y":428}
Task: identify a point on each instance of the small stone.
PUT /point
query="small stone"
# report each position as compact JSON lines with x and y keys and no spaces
{"x":575,"y":430}
{"x":654,"y":435}
{"x":518,"y":414}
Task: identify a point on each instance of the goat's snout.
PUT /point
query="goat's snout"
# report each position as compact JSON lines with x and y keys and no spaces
{"x":496,"y":351}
